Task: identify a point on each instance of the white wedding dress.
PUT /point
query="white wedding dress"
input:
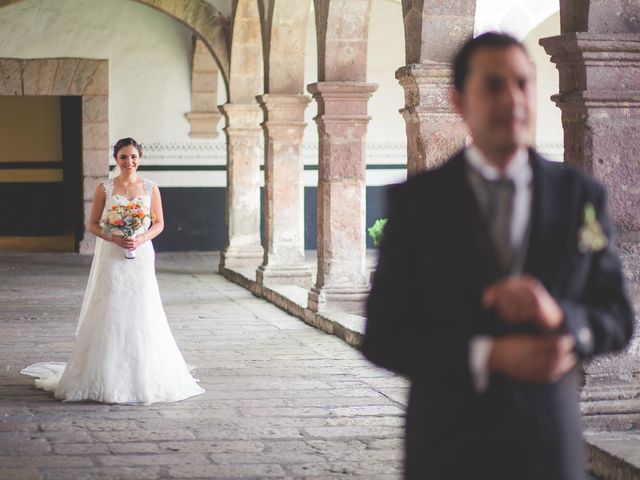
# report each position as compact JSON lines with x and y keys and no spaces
{"x":124,"y":350}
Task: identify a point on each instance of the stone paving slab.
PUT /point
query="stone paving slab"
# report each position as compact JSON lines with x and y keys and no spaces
{"x":283,"y":399}
{"x":614,"y":455}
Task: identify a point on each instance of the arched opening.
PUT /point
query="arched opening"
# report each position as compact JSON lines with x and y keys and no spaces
{"x":148,"y":51}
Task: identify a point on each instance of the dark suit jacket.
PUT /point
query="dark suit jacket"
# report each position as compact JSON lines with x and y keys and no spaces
{"x":435,"y":260}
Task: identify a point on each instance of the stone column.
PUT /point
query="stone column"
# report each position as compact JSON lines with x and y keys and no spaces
{"x":95,"y":152}
{"x":600,"y":102}
{"x":434,"y":130}
{"x":342,"y":120}
{"x":284,"y":188}
{"x":244,"y":249}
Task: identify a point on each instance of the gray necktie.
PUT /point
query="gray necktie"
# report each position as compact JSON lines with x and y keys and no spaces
{"x":499,"y":213}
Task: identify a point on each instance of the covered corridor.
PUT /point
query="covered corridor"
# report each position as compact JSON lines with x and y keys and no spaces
{"x":283,"y":399}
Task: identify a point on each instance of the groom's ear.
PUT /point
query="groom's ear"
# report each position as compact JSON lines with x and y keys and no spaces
{"x":455,"y":97}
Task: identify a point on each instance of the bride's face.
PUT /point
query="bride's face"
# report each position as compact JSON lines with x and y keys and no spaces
{"x":128,"y":159}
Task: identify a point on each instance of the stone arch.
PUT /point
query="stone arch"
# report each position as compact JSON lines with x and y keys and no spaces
{"x":548,"y":134}
{"x":434,"y":30}
{"x":521,"y":17}
{"x":246,"y":73}
{"x":204,"y":115}
{"x":198,"y":15}
{"x":285,"y":31}
{"x":342,"y":28}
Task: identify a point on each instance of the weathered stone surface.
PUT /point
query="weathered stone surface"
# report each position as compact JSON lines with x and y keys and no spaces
{"x":62,"y":84}
{"x":243,"y":186}
{"x":614,"y":455}
{"x":434,"y":30}
{"x":204,"y":124}
{"x":95,"y":108}
{"x":281,"y":396}
{"x":286,"y":30}
{"x":284,"y":191}
{"x":204,"y":115}
{"x":84,"y":72}
{"x":434,"y":130}
{"x":341,"y":282}
{"x":599,"y":91}
{"x":98,"y":82}
{"x":95,"y":135}
{"x":599,"y":16}
{"x":11,"y":71}
{"x":342,"y":29}
{"x":246,"y":79}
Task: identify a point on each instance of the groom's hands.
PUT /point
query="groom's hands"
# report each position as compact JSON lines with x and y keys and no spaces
{"x":523,"y":299}
{"x":529,"y":358}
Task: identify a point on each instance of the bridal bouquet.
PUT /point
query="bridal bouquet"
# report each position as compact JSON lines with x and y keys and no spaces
{"x":128,"y":219}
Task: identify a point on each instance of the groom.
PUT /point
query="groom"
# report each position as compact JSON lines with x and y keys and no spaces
{"x":497,"y":273}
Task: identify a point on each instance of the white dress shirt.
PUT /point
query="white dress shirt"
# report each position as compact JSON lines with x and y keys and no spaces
{"x":519,"y":171}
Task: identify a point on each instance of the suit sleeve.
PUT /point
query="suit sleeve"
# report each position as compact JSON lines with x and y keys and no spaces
{"x":401,"y":333}
{"x":601,"y":320}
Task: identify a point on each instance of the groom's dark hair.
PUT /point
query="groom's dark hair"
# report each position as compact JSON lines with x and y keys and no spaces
{"x":462,"y":60}
{"x":125,"y":142}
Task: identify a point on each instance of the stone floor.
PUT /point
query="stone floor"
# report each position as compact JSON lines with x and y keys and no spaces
{"x":283,"y":400}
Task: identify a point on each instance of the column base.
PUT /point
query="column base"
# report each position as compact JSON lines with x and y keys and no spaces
{"x":299,"y":275}
{"x":614,"y":407}
{"x":343,"y":299}
{"x":245,"y":257}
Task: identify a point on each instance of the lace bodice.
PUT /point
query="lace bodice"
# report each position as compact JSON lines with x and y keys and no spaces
{"x":117,"y":199}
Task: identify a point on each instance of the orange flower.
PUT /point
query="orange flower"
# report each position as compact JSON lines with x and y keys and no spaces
{"x":115,"y":207}
{"x":140,"y":214}
{"x":131,"y":205}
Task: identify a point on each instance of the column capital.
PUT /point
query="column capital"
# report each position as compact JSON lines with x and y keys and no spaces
{"x":342,"y":89}
{"x":275,"y":101}
{"x":434,"y":130}
{"x":596,"y":62}
{"x":591,"y":42}
{"x":342,"y":101}
{"x":425,"y":73}
{"x":203,"y":124}
{"x":284,"y":115}
{"x":242,"y":115}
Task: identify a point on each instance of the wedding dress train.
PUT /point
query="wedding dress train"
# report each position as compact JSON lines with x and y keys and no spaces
{"x":124,"y":350}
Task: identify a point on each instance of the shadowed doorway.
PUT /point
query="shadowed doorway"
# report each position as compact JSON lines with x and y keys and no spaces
{"x":41,"y":173}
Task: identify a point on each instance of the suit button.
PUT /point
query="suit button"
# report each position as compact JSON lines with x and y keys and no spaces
{"x":584,"y":336}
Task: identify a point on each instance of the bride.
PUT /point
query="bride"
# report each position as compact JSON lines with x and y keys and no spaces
{"x":124,"y":350}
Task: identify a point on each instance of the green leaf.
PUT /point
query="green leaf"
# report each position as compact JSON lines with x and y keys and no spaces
{"x":377,"y":230}
{"x":589,"y":213}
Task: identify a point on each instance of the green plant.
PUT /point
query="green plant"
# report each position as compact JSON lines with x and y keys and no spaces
{"x":377,"y":230}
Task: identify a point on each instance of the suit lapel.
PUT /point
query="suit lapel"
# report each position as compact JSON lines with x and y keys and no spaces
{"x":467,"y":224}
{"x":545,"y":221}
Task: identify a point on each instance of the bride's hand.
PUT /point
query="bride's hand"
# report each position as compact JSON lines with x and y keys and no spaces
{"x":137,"y":241}
{"x":124,"y":242}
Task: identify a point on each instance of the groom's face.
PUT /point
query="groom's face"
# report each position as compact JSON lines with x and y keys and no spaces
{"x":497,"y":101}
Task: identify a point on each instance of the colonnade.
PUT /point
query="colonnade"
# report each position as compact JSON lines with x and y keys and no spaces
{"x":598,"y":58}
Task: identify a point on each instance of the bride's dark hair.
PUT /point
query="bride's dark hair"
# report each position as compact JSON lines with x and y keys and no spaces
{"x":125,"y":142}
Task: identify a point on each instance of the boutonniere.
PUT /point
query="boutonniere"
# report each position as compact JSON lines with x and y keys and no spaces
{"x":591,"y":238}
